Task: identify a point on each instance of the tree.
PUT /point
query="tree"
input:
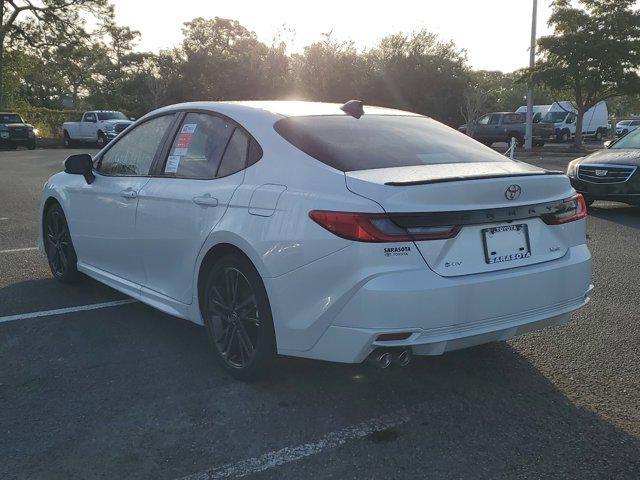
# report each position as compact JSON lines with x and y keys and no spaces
{"x":41,"y":23}
{"x":475,"y":103}
{"x":594,"y":53}
{"x":418,"y":72}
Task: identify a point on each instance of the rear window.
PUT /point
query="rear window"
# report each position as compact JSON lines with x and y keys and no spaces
{"x":381,"y":141}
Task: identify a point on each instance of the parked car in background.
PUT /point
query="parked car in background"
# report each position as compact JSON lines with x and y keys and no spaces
{"x":609,"y":174}
{"x":626,"y":126}
{"x":97,"y":126}
{"x":326,"y":231}
{"x":502,"y":126}
{"x":562,"y":115}
{"x":14,"y":132}
{"x":539,"y":111}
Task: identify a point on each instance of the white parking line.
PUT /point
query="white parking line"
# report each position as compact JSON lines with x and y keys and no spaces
{"x":61,"y":311}
{"x":3,"y":218}
{"x":292,"y":454}
{"x":13,"y":250}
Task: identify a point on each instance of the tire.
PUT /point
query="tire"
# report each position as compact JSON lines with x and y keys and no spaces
{"x":66,"y":140}
{"x":564,"y":136}
{"x":102,"y":140}
{"x":538,"y":143}
{"x":58,"y":245}
{"x":32,"y":146}
{"x":237,"y":315}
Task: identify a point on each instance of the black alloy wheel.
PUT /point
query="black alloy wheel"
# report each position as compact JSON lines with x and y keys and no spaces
{"x":58,"y":246}
{"x":237,"y":315}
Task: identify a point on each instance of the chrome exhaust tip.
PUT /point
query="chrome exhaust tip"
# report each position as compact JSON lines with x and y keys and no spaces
{"x":403,"y":358}
{"x":381,"y":359}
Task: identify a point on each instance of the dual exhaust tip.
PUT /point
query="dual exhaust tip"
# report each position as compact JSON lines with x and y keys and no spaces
{"x":384,"y":358}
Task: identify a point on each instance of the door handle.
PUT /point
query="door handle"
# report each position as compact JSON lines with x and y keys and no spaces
{"x":128,"y":193}
{"x":206,"y":201}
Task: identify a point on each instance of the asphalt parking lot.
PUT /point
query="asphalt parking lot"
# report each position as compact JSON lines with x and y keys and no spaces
{"x":128,"y":392}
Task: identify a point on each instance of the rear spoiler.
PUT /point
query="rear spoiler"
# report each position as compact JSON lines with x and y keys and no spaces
{"x":472,"y":177}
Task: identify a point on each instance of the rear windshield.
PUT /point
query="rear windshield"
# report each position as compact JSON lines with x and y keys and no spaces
{"x":112,"y":116}
{"x":10,"y":118}
{"x":381,"y":141}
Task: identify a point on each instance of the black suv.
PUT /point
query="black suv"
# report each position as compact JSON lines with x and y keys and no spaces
{"x":14,"y":132}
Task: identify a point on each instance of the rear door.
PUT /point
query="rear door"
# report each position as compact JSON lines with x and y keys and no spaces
{"x":102,"y":214}
{"x":192,"y":189}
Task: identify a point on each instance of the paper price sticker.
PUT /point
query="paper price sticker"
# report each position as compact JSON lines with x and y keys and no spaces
{"x":189,"y":128}
{"x":184,"y":140}
{"x":173,"y":161}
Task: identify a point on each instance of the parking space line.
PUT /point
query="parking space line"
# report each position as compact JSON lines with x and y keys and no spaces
{"x":292,"y":454}
{"x":62,"y":311}
{"x":13,"y":250}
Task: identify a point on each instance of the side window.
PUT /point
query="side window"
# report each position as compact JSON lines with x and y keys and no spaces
{"x":235,"y":155}
{"x":635,"y":123}
{"x":89,"y":117}
{"x":255,"y":152}
{"x":197,"y":150}
{"x":495,"y":120}
{"x":571,"y":118}
{"x":513,"y":118}
{"x":133,"y":154}
{"x":484,"y":120}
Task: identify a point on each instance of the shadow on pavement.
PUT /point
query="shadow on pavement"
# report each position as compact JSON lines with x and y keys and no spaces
{"x":620,"y":213}
{"x":128,"y":392}
{"x":49,"y":294}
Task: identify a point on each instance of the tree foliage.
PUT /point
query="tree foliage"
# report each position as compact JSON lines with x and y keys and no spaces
{"x":220,"y":59}
{"x":594,"y":52}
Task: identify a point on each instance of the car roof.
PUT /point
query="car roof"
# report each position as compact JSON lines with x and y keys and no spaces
{"x":282,"y":108}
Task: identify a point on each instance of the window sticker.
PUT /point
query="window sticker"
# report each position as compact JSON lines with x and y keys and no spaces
{"x":180,"y":152}
{"x":189,"y":128}
{"x":172,"y":164}
{"x":184,"y":140}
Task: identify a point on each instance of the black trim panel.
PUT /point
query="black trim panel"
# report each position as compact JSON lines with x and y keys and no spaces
{"x":470,"y":177}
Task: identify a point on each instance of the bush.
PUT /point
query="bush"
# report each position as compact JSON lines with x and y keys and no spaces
{"x":47,"y":121}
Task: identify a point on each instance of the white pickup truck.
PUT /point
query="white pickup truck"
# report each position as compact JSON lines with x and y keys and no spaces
{"x":97,"y":126}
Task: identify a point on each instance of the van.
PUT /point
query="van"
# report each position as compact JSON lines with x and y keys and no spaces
{"x":539,"y":111}
{"x":563,"y":115}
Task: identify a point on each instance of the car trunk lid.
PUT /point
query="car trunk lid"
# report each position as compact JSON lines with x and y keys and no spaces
{"x":497,"y":204}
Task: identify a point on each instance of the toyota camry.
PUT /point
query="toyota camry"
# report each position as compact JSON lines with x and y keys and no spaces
{"x":326,"y":231}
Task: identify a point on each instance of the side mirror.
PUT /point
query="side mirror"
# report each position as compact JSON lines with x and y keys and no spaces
{"x":80,"y":164}
{"x":607,"y":144}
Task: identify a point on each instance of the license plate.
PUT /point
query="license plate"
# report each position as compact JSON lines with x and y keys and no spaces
{"x":506,"y":243}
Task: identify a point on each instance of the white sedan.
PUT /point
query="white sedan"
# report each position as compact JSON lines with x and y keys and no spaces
{"x":321,"y":231}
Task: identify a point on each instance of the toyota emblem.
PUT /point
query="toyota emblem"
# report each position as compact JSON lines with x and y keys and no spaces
{"x":513,"y":192}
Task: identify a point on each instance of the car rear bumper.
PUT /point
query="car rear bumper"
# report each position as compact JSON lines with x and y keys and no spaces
{"x":443,"y":314}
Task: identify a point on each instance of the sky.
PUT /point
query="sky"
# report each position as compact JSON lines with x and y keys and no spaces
{"x":495,"y":33}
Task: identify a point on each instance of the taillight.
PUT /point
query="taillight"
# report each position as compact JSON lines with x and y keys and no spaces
{"x":569,"y":210}
{"x":378,"y":227}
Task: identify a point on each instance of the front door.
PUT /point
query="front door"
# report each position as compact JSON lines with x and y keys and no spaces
{"x":102,"y":214}
{"x":481,"y":132}
{"x":88,"y":126}
{"x":181,"y":205}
